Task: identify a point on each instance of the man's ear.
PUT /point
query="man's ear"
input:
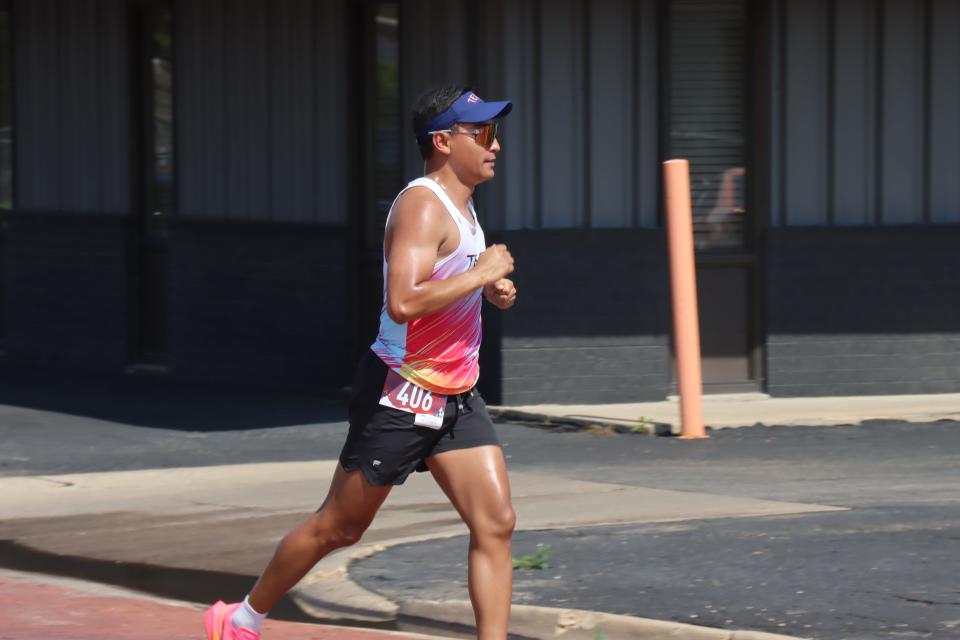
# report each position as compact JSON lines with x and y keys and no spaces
{"x":441,"y":143}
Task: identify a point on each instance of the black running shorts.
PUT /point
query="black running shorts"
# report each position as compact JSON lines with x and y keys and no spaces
{"x":385,"y":444}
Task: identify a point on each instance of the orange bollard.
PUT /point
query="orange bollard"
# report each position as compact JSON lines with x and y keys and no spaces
{"x":683,"y":287}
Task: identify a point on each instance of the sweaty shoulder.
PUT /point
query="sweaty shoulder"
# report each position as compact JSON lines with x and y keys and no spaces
{"x":417,"y":205}
{"x":419,"y":217}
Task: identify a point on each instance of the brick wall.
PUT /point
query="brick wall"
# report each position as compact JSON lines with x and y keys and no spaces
{"x":65,"y":290}
{"x":590,"y":324}
{"x":863,"y":311}
{"x":261,"y":303}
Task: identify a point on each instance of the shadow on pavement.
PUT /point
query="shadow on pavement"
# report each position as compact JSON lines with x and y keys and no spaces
{"x":150,"y":401}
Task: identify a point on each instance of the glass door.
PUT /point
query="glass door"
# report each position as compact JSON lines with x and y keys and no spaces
{"x":157,"y":186}
{"x":382,"y":162}
{"x":706,"y":114}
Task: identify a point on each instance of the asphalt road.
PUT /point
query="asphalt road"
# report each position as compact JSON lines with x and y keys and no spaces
{"x":885,"y":569}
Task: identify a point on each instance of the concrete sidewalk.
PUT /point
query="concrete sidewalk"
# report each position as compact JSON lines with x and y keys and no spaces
{"x":206,"y":532}
{"x":117,"y":500}
{"x":749,"y":409}
{"x":35,"y":606}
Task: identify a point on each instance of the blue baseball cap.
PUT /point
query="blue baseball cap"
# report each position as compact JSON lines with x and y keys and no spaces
{"x":467,"y":108}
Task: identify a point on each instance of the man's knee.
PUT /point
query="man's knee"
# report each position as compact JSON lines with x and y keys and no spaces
{"x":338,"y":534}
{"x":348,"y":535}
{"x":497,"y":524}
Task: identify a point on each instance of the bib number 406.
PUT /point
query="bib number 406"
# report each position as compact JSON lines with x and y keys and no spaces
{"x":413,"y":397}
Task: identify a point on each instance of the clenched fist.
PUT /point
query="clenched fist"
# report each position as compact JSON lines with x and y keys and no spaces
{"x":501,"y":293}
{"x":495,"y":263}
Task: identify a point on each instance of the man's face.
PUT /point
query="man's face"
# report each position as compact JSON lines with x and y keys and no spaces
{"x":473,"y":160}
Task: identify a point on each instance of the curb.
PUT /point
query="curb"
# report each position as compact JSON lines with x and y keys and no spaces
{"x":567,"y":424}
{"x":613,"y":426}
{"x":543,"y":623}
{"x":329,"y":591}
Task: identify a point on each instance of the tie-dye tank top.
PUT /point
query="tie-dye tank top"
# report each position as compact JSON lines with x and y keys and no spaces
{"x":439,"y":352}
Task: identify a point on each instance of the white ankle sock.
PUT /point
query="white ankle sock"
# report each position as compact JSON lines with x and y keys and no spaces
{"x":246,"y":617}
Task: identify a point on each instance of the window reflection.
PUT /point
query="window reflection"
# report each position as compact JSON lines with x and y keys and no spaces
{"x":706,"y":114}
{"x":161,"y":73}
{"x":388,"y":119}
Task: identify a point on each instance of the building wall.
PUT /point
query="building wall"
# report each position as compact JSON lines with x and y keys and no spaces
{"x":865,"y":120}
{"x":862,"y":205}
{"x":64,"y":279}
{"x":258,"y":251}
{"x":590,"y":323}
{"x":579,"y":160}
{"x":861,"y":293}
{"x":863,"y":311}
{"x":262,"y":303}
{"x":71,"y":69}
{"x":264,"y":115}
{"x":64,"y":247}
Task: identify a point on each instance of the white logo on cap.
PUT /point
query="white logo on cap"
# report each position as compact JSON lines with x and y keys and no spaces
{"x":472,"y":98}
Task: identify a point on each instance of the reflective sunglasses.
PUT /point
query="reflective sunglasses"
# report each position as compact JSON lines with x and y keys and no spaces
{"x":484,"y":136}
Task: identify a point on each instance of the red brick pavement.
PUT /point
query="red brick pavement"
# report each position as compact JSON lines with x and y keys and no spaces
{"x":32,"y":608}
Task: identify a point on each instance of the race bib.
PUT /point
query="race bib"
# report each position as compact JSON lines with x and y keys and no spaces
{"x":426,"y":407}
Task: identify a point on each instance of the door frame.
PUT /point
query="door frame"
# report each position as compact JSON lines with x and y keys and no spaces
{"x":143,"y":194}
{"x":752,"y":256}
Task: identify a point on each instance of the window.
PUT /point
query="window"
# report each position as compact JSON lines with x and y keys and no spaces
{"x":158,"y":181}
{"x":387,"y":149}
{"x":160,"y":47}
{"x":707,"y":102}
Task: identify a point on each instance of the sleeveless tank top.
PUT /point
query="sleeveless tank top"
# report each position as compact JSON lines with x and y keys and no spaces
{"x":439,"y":352}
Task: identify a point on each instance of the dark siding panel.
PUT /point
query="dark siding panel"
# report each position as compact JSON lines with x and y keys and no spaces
{"x":249,"y":125}
{"x":567,"y":65}
{"x":519,"y":172}
{"x":293,"y":109}
{"x":805,"y":145}
{"x":882,"y":97}
{"x":247,"y":114}
{"x":71,"y":106}
{"x":562,"y":109}
{"x":80,"y":149}
{"x":113,"y":62}
{"x":903,"y":96}
{"x":854,"y":141}
{"x":189,"y":114}
{"x":235,"y":116}
{"x":647,"y":165}
{"x":945,"y":112}
{"x":201,"y":108}
{"x":611,"y":109}
{"x":213,"y":105}
{"x":332,"y":133}
{"x":38,"y":105}
{"x":435,"y":51}
{"x":281,"y":109}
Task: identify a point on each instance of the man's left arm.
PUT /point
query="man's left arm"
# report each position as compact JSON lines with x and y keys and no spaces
{"x":502,"y":293}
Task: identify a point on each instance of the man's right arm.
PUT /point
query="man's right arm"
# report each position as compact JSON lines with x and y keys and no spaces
{"x":417,"y":231}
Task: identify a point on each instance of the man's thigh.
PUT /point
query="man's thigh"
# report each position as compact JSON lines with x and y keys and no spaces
{"x":475,"y":480}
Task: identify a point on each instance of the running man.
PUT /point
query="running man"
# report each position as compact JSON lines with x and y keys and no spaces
{"x":414,"y":406}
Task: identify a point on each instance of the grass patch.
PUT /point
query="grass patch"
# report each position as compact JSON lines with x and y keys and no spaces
{"x":536,"y":560}
{"x":642,"y":425}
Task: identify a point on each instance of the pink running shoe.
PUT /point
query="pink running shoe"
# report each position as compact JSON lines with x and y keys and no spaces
{"x":219,"y":627}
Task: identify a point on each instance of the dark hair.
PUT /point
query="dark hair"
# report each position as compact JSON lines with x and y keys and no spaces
{"x":430,"y":104}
